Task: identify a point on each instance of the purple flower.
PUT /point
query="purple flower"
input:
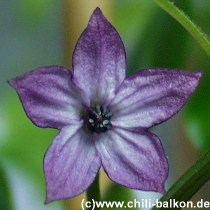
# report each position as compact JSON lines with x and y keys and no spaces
{"x":103,"y":116}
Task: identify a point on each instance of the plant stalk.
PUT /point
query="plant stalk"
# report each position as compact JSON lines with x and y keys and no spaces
{"x":185,"y":21}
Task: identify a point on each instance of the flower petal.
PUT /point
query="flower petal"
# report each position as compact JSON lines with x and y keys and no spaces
{"x":49,"y":97}
{"x":70,"y":164}
{"x":99,"y":59}
{"x":134,"y":159}
{"x":152,"y":96}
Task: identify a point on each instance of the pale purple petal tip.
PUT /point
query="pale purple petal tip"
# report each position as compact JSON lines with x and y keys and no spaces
{"x":134,"y":159}
{"x":152,"y":96}
{"x":70,"y":164}
{"x":99,"y":61}
{"x":49,"y":97}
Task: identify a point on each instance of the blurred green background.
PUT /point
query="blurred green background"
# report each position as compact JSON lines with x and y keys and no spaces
{"x":40,"y":33}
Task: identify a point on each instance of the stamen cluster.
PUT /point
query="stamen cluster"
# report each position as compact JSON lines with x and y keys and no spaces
{"x":98,"y":119}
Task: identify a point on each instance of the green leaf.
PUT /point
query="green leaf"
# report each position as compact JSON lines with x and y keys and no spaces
{"x":190,"y":182}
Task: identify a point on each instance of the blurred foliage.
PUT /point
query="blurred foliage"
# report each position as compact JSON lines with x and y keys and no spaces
{"x":35,"y":10}
{"x":28,"y":42}
{"x":164,"y":43}
{"x":27,"y":27}
{"x":117,"y":192}
{"x":30,"y":37}
{"x":198,"y":113}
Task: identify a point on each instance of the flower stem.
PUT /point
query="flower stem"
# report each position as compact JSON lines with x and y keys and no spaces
{"x":190,"y":182}
{"x":185,"y":21}
{"x":93,"y":192}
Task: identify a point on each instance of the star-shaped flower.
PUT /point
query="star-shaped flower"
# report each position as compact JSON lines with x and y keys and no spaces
{"x":103,"y":116}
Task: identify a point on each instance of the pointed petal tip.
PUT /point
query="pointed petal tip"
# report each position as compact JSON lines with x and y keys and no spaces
{"x":12,"y":83}
{"x":47,"y":201}
{"x":196,"y":79}
{"x":15,"y":83}
{"x":49,"y":198}
{"x":162,"y":189}
{"x":198,"y":75}
{"x":97,"y":11}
